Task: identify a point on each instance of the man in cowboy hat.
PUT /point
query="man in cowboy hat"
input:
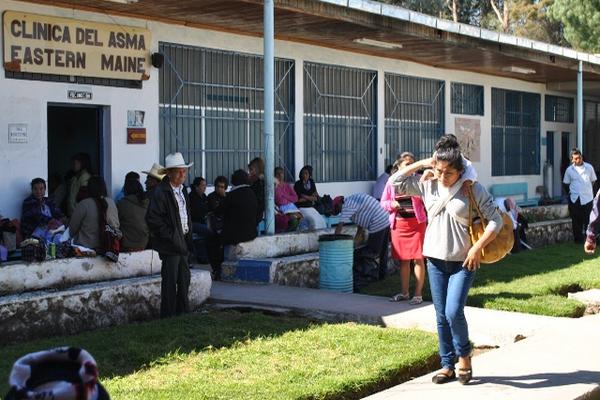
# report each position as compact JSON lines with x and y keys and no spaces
{"x":153,"y":179}
{"x":169,"y":220}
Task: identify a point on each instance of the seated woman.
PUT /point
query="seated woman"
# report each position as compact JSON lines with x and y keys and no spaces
{"x":288,"y":215}
{"x":77,"y":186}
{"x":256,"y":180}
{"x":87,"y":223}
{"x":199,"y":206}
{"x":306,"y":190}
{"x":39,"y":214}
{"x":239,"y":209}
{"x":132,"y":216}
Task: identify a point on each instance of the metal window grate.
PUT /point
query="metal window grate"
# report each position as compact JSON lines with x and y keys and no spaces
{"x":414,"y":115}
{"x":340,"y":128}
{"x":515,"y":133}
{"x":212,"y":105}
{"x":85,"y":80}
{"x":466,"y":99}
{"x":559,"y":109}
{"x":591,"y":133}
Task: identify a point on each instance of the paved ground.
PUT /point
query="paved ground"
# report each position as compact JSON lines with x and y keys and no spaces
{"x":558,"y":358}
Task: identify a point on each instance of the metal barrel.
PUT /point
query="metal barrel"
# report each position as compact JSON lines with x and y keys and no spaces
{"x":336,"y":256}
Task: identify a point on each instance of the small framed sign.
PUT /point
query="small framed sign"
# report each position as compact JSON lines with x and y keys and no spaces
{"x":136,"y":135}
{"x":17,"y":133}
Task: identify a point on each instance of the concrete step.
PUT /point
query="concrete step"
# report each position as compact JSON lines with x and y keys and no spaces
{"x":86,"y":307}
{"x":486,"y":327}
{"x":62,"y":273}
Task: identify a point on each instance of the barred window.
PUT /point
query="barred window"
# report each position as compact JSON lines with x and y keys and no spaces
{"x":466,"y":99}
{"x":340,"y":128}
{"x":515,"y":133}
{"x":414,"y":115}
{"x":559,"y":109}
{"x":211,"y":109}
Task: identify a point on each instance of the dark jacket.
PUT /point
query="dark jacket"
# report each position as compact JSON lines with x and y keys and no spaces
{"x":300,"y":190}
{"x":199,"y":207}
{"x":32,"y":217}
{"x":214,"y":200}
{"x":132,"y":218}
{"x":258,"y":187}
{"x":164,"y":223}
{"x":239,"y":210}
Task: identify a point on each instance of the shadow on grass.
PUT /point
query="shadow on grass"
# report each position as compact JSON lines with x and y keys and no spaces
{"x":479,"y":300}
{"x":532,"y":262}
{"x":124,"y":349}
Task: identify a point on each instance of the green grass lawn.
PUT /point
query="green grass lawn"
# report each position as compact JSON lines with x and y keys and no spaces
{"x":231,"y":355}
{"x":533,"y":282}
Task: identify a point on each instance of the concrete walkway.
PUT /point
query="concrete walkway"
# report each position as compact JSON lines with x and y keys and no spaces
{"x":559,"y":358}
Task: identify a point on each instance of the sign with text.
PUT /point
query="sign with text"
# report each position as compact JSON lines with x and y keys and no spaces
{"x":17,"y":133}
{"x":62,"y":46}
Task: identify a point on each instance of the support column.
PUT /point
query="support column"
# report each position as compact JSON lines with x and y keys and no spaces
{"x":580,"y":106}
{"x":269,"y":115}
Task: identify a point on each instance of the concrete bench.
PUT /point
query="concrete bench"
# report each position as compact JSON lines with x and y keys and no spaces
{"x":514,"y":189}
{"x":21,"y":277}
{"x":301,"y":270}
{"x":329,"y":222}
{"x":86,"y":307}
{"x":280,"y":245}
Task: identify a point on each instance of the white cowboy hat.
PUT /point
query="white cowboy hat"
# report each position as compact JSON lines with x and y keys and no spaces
{"x":155,"y":172}
{"x":176,"y":160}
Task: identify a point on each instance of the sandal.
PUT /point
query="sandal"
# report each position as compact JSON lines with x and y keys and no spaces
{"x":442,"y":377}
{"x":416,"y":300}
{"x":399,"y":297}
{"x":465,"y":374}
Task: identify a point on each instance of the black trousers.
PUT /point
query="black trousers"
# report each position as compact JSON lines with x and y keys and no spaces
{"x":174,"y":288}
{"x":378,"y":243}
{"x":580,"y":218}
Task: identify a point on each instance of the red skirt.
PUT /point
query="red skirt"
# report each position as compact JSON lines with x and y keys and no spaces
{"x":407,"y":239}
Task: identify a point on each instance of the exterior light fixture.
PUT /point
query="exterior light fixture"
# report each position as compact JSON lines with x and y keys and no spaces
{"x":378,"y":43}
{"x":519,"y":70}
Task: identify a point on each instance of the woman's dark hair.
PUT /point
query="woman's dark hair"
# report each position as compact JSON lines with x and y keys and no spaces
{"x":96,"y":187}
{"x":239,"y":177}
{"x":132,"y":175}
{"x":221,"y":179}
{"x":197,"y":181}
{"x":97,"y":191}
{"x":35,"y":181}
{"x":134,"y":187}
{"x":278,"y":169}
{"x":259,"y":164}
{"x":307,"y":168}
{"x":84,"y":160}
{"x":447,"y":149}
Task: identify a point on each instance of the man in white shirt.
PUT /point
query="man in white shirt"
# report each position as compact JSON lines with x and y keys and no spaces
{"x":578,"y":181}
{"x":169,"y":220}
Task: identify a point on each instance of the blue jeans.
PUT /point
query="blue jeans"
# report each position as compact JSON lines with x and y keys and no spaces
{"x":450,"y":283}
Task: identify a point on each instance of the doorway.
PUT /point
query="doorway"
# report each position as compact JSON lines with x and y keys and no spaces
{"x":73,"y":129}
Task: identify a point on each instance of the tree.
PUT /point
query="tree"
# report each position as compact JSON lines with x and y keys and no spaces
{"x":581,"y":21}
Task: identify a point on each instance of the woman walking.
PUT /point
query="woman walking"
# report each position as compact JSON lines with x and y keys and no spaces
{"x":452,"y":258}
{"x":408,"y":221}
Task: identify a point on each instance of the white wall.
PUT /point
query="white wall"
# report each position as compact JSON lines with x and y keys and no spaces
{"x":26,"y":102}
